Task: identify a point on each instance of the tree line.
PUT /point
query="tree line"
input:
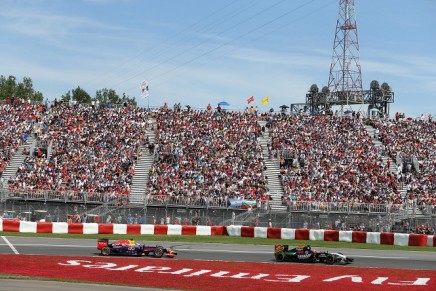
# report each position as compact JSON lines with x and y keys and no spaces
{"x":11,"y":88}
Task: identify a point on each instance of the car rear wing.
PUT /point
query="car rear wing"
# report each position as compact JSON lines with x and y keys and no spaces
{"x":101,"y":243}
{"x":280,"y":248}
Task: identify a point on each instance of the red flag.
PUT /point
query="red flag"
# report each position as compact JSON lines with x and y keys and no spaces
{"x":251,"y":99}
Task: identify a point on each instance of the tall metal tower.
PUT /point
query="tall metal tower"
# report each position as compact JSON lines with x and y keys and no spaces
{"x":345,"y":80}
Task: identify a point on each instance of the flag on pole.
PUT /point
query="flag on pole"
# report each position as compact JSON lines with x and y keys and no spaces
{"x":251,"y":99}
{"x":265,"y":100}
{"x":144,"y":89}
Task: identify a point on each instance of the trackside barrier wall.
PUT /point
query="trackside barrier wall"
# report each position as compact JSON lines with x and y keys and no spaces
{"x":387,"y":238}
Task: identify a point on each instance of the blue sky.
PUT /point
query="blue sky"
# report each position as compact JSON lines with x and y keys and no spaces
{"x":198,"y":52}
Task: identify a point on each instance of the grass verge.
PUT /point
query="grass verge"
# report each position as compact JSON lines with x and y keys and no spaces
{"x":226,"y":240}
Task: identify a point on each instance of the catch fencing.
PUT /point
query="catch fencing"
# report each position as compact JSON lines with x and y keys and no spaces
{"x":70,"y":206}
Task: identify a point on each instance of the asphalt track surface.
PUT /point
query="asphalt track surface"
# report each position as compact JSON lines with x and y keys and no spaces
{"x":195,"y":251}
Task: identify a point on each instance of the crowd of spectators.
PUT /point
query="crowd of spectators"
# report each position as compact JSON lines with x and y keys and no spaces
{"x":412,"y":144}
{"x":16,"y":122}
{"x":215,"y":155}
{"x":207,"y":156}
{"x":330,"y":159}
{"x":93,"y":152}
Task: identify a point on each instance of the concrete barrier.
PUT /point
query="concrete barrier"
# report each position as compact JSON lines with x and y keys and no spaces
{"x":388,"y":238}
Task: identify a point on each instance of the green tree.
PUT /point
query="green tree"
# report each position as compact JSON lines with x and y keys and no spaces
{"x":78,"y":94}
{"x":106,"y":96}
{"x":81,"y":96}
{"x":66,"y":97}
{"x":24,"y":90}
{"x":7,"y":87}
{"x":129,"y":100}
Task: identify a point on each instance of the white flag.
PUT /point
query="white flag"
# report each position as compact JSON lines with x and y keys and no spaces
{"x":144,"y":89}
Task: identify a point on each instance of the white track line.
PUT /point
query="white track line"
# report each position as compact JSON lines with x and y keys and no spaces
{"x":10,"y":245}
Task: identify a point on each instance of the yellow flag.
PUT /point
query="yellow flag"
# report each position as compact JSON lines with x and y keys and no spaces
{"x":265,"y":100}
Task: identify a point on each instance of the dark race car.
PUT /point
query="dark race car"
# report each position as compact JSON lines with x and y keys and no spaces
{"x":130,"y":247}
{"x":308,"y":255}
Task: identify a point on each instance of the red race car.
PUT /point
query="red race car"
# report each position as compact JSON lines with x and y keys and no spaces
{"x":130,"y":248}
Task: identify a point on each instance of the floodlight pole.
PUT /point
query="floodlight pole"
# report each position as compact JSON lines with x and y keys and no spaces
{"x":345,"y":79}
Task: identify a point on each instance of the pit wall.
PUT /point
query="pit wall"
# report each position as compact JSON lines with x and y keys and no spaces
{"x":386,"y":238}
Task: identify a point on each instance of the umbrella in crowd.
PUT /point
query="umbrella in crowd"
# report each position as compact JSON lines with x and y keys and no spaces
{"x":223,"y":103}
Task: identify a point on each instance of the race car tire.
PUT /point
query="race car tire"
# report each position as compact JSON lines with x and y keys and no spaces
{"x":329,"y":260}
{"x":106,"y":251}
{"x":280,"y":257}
{"x":313,"y":259}
{"x":158,"y":252}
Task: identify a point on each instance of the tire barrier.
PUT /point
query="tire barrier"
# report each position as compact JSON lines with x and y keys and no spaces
{"x":386,"y":238}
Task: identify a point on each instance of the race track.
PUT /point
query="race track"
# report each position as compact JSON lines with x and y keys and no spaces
{"x":219,"y":252}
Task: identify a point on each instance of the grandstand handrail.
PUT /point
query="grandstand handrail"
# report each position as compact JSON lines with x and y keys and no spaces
{"x":49,"y":148}
{"x":415,"y":163}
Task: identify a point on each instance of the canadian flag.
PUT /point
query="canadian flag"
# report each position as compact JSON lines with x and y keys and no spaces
{"x":144,"y":89}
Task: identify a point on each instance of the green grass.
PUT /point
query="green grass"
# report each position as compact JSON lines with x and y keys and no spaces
{"x":226,"y":240}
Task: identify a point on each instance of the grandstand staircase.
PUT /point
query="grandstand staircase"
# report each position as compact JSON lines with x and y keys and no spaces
{"x":407,"y":213}
{"x":273,"y":170}
{"x":17,"y":160}
{"x":142,"y":171}
{"x":393,"y":167}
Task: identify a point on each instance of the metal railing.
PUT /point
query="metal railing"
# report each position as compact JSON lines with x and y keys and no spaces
{"x":165,"y":201}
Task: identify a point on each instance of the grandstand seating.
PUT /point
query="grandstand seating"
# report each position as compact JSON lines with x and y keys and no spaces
{"x":211,"y":158}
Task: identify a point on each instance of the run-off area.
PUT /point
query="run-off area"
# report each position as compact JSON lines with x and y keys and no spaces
{"x":210,"y":275}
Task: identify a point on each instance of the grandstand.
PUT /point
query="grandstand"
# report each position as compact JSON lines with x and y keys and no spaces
{"x":207,"y":165}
